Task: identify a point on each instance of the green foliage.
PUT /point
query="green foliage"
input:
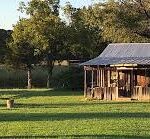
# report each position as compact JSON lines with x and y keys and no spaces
{"x":23,"y":49}
{"x":41,"y":7}
{"x":138,"y":21}
{"x":47,"y":31}
{"x":46,"y":28}
{"x":122,"y":22}
{"x":18,"y":78}
{"x":41,"y":37}
{"x":63,"y":77}
{"x":111,"y":21}
{"x":71,"y":78}
{"x":43,"y":113}
{"x":4,"y":37}
{"x":44,"y":37}
{"x":85,"y":41}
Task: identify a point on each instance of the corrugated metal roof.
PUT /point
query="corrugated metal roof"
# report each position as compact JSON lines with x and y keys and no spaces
{"x":127,"y":50}
{"x":114,"y":60}
{"x":123,"y":53}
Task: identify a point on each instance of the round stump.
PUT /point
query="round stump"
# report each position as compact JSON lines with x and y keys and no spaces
{"x":10,"y":103}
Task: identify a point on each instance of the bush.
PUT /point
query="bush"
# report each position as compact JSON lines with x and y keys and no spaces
{"x":18,"y":78}
{"x":72,"y":78}
{"x":63,"y":77}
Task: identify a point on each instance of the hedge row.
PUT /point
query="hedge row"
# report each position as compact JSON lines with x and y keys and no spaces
{"x":63,"y":77}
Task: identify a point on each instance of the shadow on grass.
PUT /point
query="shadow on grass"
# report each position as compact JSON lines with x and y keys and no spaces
{"x":80,"y":136}
{"x":67,"y":116}
{"x":55,"y":105}
{"x":68,"y":105}
{"x":49,"y":105}
{"x":18,"y":94}
{"x":36,"y":93}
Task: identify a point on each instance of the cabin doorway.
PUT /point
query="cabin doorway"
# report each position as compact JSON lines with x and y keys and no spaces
{"x":124,"y":84}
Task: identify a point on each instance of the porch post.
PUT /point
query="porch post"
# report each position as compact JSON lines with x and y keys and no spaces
{"x":92,"y":86}
{"x":97,"y":76}
{"x":148,"y":91}
{"x":117,"y":84}
{"x":108,"y":78}
{"x":146,"y":85}
{"x":109,"y":93}
{"x":132,"y":82}
{"x":101,"y":78}
{"x":104,"y":83}
{"x":85,"y":82}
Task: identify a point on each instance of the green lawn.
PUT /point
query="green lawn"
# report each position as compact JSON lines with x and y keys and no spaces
{"x":45,"y":113}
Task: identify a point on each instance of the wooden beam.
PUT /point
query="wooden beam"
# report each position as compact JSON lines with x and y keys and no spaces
{"x":92,"y":86}
{"x":132,"y":82}
{"x":124,"y":65}
{"x":117,"y":88}
{"x":85,"y":83}
{"x":90,"y":68}
{"x":97,"y":76}
{"x":101,"y":78}
{"x":145,"y":93}
{"x":124,"y":68}
{"x":108,"y":78}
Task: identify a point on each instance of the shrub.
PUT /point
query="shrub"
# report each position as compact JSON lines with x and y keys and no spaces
{"x":63,"y":77}
{"x":72,"y":78}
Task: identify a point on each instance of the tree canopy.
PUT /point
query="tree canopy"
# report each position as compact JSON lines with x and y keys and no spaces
{"x":44,"y":36}
{"x":119,"y":21}
{"x":4,"y":37}
{"x":41,"y":37}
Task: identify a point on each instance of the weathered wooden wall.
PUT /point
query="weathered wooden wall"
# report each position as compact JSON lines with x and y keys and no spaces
{"x":107,"y":82}
{"x":141,"y":93}
{"x":105,"y":93}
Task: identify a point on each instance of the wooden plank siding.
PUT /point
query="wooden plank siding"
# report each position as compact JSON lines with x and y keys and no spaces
{"x":141,"y":93}
{"x":103,"y":93}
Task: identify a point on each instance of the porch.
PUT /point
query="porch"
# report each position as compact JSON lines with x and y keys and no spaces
{"x":117,"y":82}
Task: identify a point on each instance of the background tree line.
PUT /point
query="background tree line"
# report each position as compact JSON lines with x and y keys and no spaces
{"x":85,"y":32}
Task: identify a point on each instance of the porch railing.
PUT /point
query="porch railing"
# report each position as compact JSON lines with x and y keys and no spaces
{"x":111,"y":93}
{"x":141,"y":93}
{"x":106,"y":93}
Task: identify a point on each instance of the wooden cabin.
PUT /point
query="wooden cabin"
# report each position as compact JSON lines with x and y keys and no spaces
{"x":120,"y":72}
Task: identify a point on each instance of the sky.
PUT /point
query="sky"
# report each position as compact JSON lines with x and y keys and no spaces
{"x":9,"y":14}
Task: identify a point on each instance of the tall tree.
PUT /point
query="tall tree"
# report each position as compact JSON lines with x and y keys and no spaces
{"x":85,"y":41}
{"x":119,"y":21}
{"x":4,"y":37}
{"x":46,"y":23}
{"x":140,"y":16}
{"x":23,"y":49}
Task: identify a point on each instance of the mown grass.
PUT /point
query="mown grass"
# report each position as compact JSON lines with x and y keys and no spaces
{"x":42,"y":113}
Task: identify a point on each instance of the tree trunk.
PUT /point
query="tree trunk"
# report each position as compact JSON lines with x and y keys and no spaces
{"x":50,"y":66}
{"x":29,"y":79}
